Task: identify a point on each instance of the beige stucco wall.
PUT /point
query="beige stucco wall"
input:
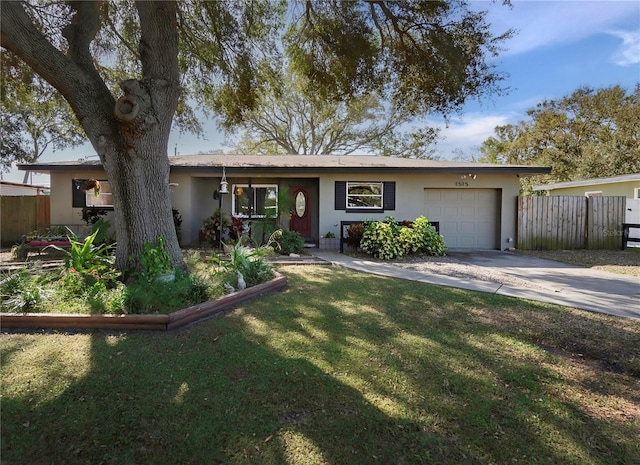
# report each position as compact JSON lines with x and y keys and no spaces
{"x":410,"y":198}
{"x":62,"y":196}
{"x":192,"y":196}
{"x":62,"y":211}
{"x":625,"y":189}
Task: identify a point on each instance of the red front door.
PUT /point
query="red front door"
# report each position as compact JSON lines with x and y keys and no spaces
{"x":300,"y":212}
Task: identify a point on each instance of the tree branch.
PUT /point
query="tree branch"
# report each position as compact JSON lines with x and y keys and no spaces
{"x":19,"y":35}
{"x":159,"y":40}
{"x":83,"y":28}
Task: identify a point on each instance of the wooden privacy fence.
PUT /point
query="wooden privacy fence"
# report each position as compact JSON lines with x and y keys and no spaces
{"x":570,"y":222}
{"x":22,"y":214}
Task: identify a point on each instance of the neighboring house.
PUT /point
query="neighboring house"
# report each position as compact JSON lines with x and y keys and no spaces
{"x":14,"y":189}
{"x":475,"y":204}
{"x":626,"y":185}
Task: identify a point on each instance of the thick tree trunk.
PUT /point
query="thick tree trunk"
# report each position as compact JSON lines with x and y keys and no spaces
{"x":131,"y":134}
{"x":138,"y":169}
{"x":139,"y":177}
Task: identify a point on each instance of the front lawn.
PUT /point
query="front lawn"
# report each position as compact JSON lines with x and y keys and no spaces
{"x":613,"y":261}
{"x":341,"y":368}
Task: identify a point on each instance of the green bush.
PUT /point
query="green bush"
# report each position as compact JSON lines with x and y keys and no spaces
{"x":154,"y":297}
{"x":92,"y":262}
{"x":102,"y":229}
{"x":354,"y":235}
{"x":289,"y":242}
{"x":380,"y":239}
{"x":22,"y":292}
{"x":387,"y":240}
{"x":424,"y":239}
{"x":215,"y":226}
{"x":155,"y":260}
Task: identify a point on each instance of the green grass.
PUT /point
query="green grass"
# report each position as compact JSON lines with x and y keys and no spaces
{"x":341,"y":368}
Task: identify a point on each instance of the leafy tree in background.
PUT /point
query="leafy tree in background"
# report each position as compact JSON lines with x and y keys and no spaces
{"x":588,"y":134}
{"x":34,"y":116}
{"x":420,"y":55}
{"x":288,"y":119}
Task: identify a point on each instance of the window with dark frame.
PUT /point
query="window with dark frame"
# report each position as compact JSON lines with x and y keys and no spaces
{"x":365,"y":196}
{"x":258,"y":200}
{"x":90,"y":197}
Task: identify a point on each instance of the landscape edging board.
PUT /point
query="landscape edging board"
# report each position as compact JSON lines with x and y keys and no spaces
{"x":173,"y":320}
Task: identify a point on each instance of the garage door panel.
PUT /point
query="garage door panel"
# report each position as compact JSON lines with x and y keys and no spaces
{"x":465,"y":242}
{"x":485,"y":212}
{"x":469,"y":212}
{"x":484,"y":229}
{"x":451,"y":212}
{"x":467,"y":196}
{"x":450,"y":197}
{"x":433,"y":212}
{"x":468,"y":217}
{"x":434,"y":196}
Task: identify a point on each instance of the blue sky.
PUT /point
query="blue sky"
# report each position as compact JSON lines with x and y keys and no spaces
{"x":559,"y":47}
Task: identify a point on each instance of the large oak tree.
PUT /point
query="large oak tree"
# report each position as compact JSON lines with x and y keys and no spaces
{"x":288,"y":119}
{"x":422,"y":55}
{"x":34,"y":118}
{"x":590,"y":133}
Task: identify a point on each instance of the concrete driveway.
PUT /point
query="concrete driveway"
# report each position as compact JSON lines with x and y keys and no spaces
{"x":556,"y":282}
{"x":571,"y":285}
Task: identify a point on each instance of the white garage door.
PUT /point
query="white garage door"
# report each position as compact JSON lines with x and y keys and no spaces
{"x":468,"y":218}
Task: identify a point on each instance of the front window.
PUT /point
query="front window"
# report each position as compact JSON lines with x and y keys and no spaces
{"x":259,"y":200}
{"x":365,"y":195}
{"x":98,"y":194}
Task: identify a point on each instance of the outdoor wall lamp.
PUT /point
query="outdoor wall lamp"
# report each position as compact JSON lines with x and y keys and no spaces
{"x":468,"y":175}
{"x":224,"y":185}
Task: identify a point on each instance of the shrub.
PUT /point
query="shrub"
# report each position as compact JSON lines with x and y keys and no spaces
{"x":425,"y":238}
{"x":250,"y":262}
{"x":289,"y":242}
{"x":214,"y":226}
{"x":155,"y":260}
{"x":22,"y":292}
{"x":380,"y":239}
{"x":354,"y":235}
{"x":11,"y":283}
{"x":153,"y":297}
{"x":91,"y":262}
{"x":101,"y":228}
{"x":387,"y":240}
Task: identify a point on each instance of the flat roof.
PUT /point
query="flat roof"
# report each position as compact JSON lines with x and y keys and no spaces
{"x":301,"y":163}
{"x":589,"y":182}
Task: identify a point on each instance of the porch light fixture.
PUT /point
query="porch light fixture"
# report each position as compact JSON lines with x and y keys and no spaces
{"x":224,"y":185}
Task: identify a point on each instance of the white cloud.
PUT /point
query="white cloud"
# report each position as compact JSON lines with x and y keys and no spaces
{"x":629,"y":51}
{"x":466,"y":133}
{"x":544,"y":23}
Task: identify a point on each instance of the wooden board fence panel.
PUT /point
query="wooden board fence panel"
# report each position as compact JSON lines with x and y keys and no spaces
{"x":570,"y":222}
{"x":43,"y":211}
{"x":605,"y":217}
{"x":22,"y":214}
{"x":18,"y":217}
{"x":549,"y":223}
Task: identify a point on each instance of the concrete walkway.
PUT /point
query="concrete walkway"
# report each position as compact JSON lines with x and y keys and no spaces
{"x":567,"y":285}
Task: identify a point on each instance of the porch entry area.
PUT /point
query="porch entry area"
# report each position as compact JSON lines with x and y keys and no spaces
{"x":303,"y":199}
{"x":300,"y":212}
